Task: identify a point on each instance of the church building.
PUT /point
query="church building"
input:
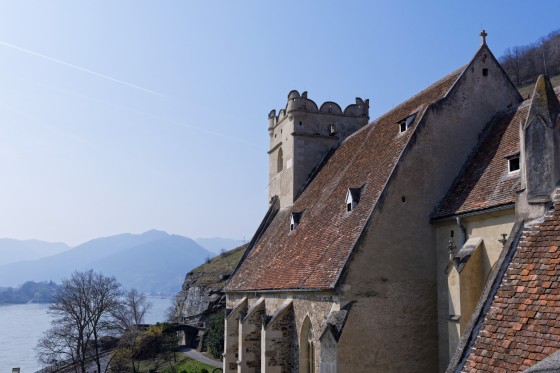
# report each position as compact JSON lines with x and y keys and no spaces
{"x":385,"y":240}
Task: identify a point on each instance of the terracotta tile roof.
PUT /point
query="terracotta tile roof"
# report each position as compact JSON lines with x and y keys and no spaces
{"x":485,"y":181}
{"x":522,"y":325}
{"x":314,"y":254}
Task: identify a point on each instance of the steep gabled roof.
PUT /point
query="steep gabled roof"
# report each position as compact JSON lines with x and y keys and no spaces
{"x":520,"y":325}
{"x":314,"y":254}
{"x":485,"y":181}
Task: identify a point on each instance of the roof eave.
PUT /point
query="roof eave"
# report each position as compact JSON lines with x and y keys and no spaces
{"x":465,"y":214}
{"x":287,"y":290}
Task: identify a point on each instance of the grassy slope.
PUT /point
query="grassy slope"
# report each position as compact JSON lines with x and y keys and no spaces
{"x":184,"y":364}
{"x":208,"y":274}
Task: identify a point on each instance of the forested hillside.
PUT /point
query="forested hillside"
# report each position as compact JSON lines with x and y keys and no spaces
{"x":526,"y":62}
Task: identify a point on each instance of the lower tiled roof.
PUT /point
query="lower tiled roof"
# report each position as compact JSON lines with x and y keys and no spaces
{"x":485,"y":181}
{"x":522,"y":325}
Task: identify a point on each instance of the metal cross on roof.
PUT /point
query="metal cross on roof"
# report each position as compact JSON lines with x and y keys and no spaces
{"x":483,"y":34}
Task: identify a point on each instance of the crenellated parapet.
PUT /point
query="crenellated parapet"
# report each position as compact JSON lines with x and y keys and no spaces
{"x":301,"y":103}
{"x":301,"y":135}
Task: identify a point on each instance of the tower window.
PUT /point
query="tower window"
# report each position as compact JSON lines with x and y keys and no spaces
{"x":513,"y":164}
{"x":485,"y":72}
{"x":332,"y":129}
{"x":301,"y":123}
{"x":280,"y":161}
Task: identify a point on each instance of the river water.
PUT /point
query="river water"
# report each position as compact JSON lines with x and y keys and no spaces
{"x":21,"y":326}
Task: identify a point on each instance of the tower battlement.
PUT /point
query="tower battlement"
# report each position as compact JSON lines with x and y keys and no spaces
{"x":300,"y":102}
{"x":301,"y":134}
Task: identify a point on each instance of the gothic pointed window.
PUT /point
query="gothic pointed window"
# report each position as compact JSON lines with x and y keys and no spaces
{"x":306,"y":348}
{"x":280,"y":161}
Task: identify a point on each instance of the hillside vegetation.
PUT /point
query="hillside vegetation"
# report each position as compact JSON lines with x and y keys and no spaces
{"x":526,"y":90}
{"x":210,"y":274}
{"x":30,"y":292}
{"x":526,"y":62}
{"x":201,"y":302}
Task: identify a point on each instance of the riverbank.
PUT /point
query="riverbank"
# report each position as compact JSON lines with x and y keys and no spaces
{"x":23,"y":324}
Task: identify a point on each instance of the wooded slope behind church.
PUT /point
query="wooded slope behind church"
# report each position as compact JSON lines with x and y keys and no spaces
{"x":344,"y":274}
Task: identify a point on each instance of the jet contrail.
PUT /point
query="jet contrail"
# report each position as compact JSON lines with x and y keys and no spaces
{"x":132,"y":110}
{"x":81,"y":69}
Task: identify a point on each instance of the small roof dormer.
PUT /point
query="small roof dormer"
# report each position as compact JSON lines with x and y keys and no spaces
{"x":352,"y":198}
{"x":405,"y":123}
{"x":295,"y":219}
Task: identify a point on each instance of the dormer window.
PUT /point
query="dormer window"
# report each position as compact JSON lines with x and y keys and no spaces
{"x":352,"y":198}
{"x":406,"y":122}
{"x":513,"y":164}
{"x":294,"y":220}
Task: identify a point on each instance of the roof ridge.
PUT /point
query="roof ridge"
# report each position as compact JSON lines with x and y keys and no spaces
{"x":456,"y":72}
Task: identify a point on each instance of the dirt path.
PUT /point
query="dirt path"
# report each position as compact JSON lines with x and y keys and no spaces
{"x":198,"y":356}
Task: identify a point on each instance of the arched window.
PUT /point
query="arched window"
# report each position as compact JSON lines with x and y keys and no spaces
{"x":306,"y":348}
{"x":280,"y":161}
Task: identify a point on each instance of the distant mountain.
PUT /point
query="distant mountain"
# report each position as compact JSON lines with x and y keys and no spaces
{"x":217,"y":244}
{"x":12,"y":251}
{"x":157,"y":266}
{"x":154,"y":261}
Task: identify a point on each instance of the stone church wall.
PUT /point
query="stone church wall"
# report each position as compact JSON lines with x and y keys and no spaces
{"x":489,"y":227}
{"x":393,"y":324}
{"x":278,"y":340}
{"x":315,"y":306}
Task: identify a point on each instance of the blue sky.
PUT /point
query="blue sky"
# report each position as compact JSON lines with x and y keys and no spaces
{"x":123,"y":116}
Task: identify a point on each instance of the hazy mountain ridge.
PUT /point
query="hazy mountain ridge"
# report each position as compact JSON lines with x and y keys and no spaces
{"x":12,"y":250}
{"x":154,"y":262}
{"x":218,"y":244}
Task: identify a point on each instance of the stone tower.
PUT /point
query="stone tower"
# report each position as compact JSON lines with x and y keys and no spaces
{"x":540,"y":148}
{"x":301,"y":135}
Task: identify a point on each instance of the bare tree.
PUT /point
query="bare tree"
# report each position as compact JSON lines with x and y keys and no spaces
{"x":129,"y":316}
{"x":82,"y":313}
{"x":513,"y":61}
{"x":134,"y":309}
{"x":58,"y":346}
{"x":524,"y":63}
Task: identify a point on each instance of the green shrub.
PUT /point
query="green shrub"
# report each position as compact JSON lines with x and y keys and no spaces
{"x":215,"y":338}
